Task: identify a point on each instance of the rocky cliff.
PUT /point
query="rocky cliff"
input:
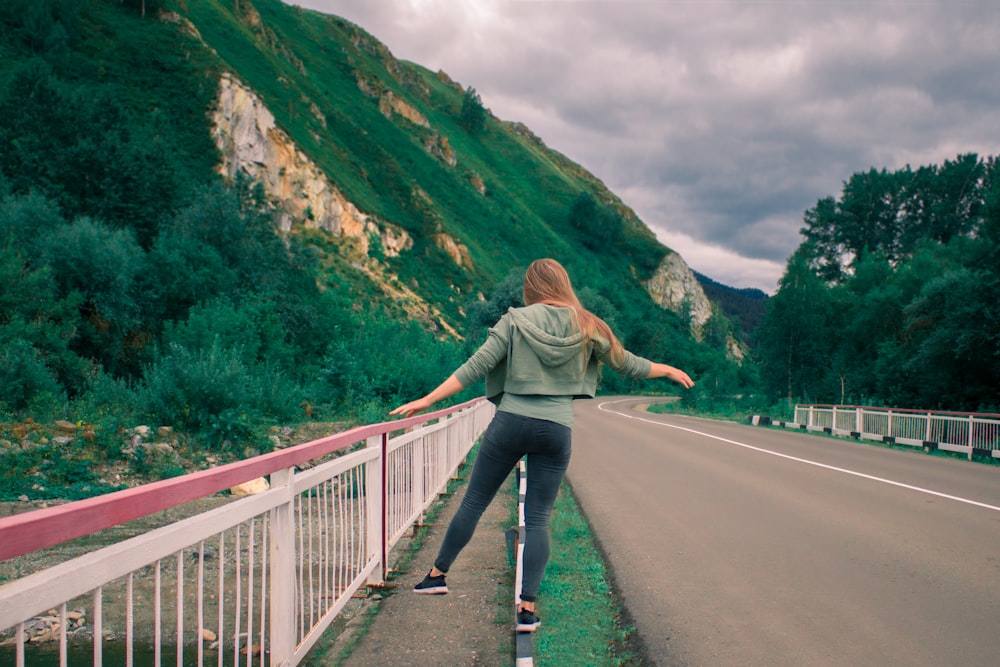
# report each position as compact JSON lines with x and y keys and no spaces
{"x":251,"y":144}
{"x":674,"y":286}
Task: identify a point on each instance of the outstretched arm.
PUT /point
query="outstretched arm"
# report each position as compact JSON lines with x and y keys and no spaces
{"x":444,"y":390}
{"x":675,"y":374}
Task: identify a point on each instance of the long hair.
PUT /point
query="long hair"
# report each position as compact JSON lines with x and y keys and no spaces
{"x":546,"y":281}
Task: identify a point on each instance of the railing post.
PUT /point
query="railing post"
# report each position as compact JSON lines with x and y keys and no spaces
{"x":419,"y":463}
{"x":282,"y":571}
{"x":375,"y":493}
{"x":971,"y":447}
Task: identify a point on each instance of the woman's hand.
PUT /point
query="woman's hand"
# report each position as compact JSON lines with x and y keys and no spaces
{"x":680,"y":377}
{"x":675,"y":374}
{"x":413,"y":407}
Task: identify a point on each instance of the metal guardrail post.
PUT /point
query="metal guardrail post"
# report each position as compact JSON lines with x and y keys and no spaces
{"x":522,"y":640}
{"x":971,"y":441}
{"x":375,"y":495}
{"x":384,"y":505}
{"x":282,"y":575}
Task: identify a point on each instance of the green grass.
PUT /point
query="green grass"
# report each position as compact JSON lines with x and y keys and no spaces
{"x":736,"y":410}
{"x":583,"y":621}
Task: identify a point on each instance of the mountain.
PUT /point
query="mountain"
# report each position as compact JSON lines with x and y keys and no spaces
{"x":202,"y":195}
{"x":748,"y":305}
{"x":349,"y":140}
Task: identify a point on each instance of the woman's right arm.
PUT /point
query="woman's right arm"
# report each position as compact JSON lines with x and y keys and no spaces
{"x":447,"y":388}
{"x":475,"y":368}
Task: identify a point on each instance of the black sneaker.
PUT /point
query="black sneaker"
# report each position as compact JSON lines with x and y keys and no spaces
{"x":431,"y":586}
{"x":527,"y":621}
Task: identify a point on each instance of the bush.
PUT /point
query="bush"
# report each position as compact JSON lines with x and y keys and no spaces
{"x":26,"y":383}
{"x":212,"y":391}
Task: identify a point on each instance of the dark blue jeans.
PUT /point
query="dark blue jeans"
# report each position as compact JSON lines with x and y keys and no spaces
{"x":508,"y":438}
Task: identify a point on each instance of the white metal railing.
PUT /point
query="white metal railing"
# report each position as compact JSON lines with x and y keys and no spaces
{"x":964,"y":432}
{"x":254,"y":581}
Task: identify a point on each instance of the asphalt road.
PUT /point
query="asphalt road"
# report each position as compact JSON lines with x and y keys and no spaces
{"x":734,"y":545}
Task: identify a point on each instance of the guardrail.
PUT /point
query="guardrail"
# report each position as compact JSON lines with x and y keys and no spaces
{"x":964,"y":432}
{"x":524,"y":654}
{"x":258,"y":579}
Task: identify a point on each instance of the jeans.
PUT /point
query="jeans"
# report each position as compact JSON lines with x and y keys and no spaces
{"x":508,"y":438}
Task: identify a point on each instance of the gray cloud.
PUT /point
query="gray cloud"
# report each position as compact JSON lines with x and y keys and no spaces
{"x":719,"y":122}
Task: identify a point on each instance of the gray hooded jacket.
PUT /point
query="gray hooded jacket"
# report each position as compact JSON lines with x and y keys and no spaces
{"x":538,"y":350}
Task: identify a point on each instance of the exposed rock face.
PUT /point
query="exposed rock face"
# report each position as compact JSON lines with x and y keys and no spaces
{"x":735,"y":350}
{"x":477,"y":182}
{"x":457,"y":251}
{"x":251,"y":143}
{"x":675,"y":286}
{"x":390,"y":103}
{"x":438,"y":146}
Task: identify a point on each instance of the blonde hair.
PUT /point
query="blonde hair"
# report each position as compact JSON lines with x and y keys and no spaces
{"x":546,"y":281}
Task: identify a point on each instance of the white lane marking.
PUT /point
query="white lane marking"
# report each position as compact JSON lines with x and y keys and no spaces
{"x":883,"y":480}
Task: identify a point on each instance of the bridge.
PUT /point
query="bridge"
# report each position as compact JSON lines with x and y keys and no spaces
{"x":730,"y":544}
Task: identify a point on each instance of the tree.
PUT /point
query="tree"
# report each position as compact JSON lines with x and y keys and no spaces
{"x":599,"y":226}
{"x":793,"y":338}
{"x":37,"y":327}
{"x":101,"y":265}
{"x":472,"y":115}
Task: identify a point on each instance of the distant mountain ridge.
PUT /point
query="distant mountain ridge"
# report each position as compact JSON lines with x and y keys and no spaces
{"x":749,"y":305}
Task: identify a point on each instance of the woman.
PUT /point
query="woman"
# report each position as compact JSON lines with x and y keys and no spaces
{"x":536,"y":360}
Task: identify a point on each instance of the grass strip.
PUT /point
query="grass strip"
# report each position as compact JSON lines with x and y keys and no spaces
{"x":583,"y":621}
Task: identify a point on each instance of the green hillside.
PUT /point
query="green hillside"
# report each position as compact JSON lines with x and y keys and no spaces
{"x":298,"y":60}
{"x":142,"y":287}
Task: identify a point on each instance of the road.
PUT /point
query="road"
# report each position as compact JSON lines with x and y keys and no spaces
{"x":734,"y":545}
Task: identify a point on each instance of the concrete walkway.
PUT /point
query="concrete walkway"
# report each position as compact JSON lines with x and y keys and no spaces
{"x":472,"y":625}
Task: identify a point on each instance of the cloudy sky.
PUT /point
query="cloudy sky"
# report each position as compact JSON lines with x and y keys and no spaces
{"x":719,"y":121}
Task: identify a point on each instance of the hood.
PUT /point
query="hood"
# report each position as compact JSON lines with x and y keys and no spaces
{"x":550,"y":331}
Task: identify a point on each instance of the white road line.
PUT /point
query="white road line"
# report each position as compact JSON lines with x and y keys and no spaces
{"x":795,"y":458}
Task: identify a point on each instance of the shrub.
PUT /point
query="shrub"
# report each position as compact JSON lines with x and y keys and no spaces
{"x":212,"y":391}
{"x":26,"y":383}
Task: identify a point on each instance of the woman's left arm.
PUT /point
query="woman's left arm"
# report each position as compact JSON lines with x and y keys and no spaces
{"x":657,"y":370}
